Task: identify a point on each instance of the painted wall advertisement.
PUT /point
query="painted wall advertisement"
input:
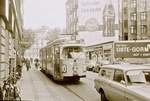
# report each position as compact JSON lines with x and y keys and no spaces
{"x":132,"y":50}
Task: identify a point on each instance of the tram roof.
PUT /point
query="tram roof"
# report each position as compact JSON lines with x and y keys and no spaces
{"x":65,"y":42}
{"x":68,"y":45}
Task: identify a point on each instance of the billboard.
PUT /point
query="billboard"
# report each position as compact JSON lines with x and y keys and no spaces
{"x":90,"y":13}
{"x":132,"y":49}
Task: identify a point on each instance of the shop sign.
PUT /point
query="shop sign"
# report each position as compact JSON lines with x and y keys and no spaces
{"x":132,"y":50}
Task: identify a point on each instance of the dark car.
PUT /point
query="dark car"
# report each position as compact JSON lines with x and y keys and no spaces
{"x":97,"y":68}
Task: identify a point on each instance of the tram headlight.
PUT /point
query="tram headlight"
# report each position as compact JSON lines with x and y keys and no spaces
{"x":75,"y":68}
{"x":64,"y":68}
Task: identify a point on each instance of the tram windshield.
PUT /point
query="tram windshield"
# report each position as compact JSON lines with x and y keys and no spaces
{"x":73,"y":52}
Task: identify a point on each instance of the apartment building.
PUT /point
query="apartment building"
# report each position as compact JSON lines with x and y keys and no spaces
{"x":134,"y":19}
{"x":10,"y":36}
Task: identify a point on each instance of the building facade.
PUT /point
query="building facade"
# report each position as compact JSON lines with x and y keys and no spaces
{"x":134,"y":19}
{"x":108,"y":19}
{"x":71,"y":16}
{"x":10,"y":37}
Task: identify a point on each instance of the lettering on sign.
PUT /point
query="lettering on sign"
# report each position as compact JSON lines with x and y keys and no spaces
{"x":132,"y":49}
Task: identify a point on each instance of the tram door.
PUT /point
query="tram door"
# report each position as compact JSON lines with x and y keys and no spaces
{"x":57,"y":71}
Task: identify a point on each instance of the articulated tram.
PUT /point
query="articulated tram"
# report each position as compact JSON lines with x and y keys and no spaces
{"x":64,"y":59}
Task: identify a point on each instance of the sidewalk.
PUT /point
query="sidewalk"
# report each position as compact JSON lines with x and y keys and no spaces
{"x":32,"y":88}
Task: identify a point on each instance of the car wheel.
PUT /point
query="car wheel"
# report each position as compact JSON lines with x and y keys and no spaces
{"x":102,"y":96}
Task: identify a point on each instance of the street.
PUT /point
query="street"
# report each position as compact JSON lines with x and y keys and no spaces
{"x":36,"y":86}
{"x":65,"y":38}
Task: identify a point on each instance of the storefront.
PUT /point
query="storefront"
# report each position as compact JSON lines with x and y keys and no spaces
{"x":112,"y":52}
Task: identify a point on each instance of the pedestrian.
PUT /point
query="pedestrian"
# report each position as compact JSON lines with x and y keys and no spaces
{"x":28,"y":64}
{"x":1,"y":94}
{"x":37,"y":64}
{"x":19,"y":71}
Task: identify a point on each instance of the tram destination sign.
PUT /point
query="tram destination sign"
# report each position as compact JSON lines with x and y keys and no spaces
{"x":132,"y":49}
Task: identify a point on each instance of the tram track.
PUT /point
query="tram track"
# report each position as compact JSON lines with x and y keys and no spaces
{"x":74,"y":93}
{"x":66,"y":88}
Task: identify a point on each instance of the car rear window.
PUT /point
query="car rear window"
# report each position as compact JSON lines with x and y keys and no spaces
{"x":138,"y":76}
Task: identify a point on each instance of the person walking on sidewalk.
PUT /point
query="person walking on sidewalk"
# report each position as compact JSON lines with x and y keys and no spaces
{"x":37,"y":64}
{"x":28,"y":65}
{"x":1,"y":93}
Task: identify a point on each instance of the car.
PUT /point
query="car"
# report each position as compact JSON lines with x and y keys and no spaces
{"x":123,"y":82}
{"x":90,"y":65}
{"x":97,"y":68}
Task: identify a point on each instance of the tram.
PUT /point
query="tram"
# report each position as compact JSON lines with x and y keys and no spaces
{"x":64,"y":59}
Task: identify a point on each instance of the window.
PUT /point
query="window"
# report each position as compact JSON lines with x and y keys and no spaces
{"x":90,"y":55}
{"x":133,"y":3}
{"x":143,"y":4}
{"x":137,"y":76}
{"x":126,"y":23}
{"x":125,"y":36}
{"x":118,"y":76}
{"x":133,"y":16}
{"x":133,"y":29}
{"x":125,"y":12}
{"x":50,"y":54}
{"x":143,"y":15}
{"x":147,"y":76}
{"x":143,"y":29}
{"x":73,"y":52}
{"x":107,"y":73}
{"x":103,"y":72}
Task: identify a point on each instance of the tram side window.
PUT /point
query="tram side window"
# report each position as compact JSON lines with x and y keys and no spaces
{"x":50,"y":55}
{"x":69,"y":54}
{"x":64,"y":53}
{"x":57,"y":51}
{"x":90,"y":55}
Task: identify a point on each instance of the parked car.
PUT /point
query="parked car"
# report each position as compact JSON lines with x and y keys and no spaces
{"x":90,"y":65}
{"x":97,"y":68}
{"x":123,"y":82}
{"x":89,"y":68}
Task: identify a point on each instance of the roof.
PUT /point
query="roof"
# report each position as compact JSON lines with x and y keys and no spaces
{"x":79,"y":45}
{"x":126,"y":67}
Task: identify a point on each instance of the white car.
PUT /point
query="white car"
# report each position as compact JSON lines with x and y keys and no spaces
{"x":123,"y":82}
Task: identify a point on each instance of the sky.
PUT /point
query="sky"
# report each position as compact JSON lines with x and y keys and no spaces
{"x":52,"y":13}
{"x":39,"y":13}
